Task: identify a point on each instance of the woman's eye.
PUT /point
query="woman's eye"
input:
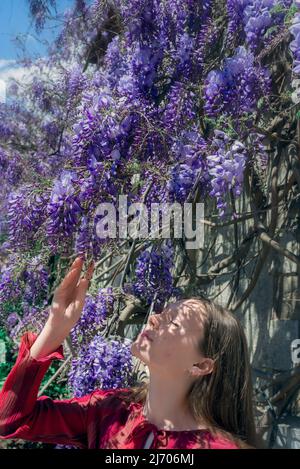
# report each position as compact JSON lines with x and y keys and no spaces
{"x":174,"y":323}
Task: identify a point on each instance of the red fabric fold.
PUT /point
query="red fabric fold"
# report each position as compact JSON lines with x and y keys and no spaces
{"x":27,"y":340}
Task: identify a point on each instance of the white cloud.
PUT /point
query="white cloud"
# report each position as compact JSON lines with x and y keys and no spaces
{"x":11,"y":69}
{"x":2,"y":91}
{"x":24,"y":75}
{"x":19,"y":73}
{"x":6,"y":63}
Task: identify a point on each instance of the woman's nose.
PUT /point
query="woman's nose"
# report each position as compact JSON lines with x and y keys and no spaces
{"x":153,"y":320}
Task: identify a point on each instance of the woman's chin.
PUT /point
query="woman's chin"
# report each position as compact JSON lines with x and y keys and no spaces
{"x":134,"y":350}
{"x":137,"y":353}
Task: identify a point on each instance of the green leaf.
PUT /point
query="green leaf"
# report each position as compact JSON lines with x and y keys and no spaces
{"x":277,"y":9}
{"x":270,"y":30}
{"x":260,"y":102}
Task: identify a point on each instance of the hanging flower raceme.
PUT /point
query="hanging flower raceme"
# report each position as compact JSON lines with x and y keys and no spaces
{"x":10,"y":291}
{"x":96,"y":310}
{"x":39,"y":9}
{"x":103,"y":364}
{"x":153,"y":275}
{"x":180,"y":111}
{"x":226,"y":167}
{"x":26,"y":214}
{"x":23,"y":284}
{"x":99,"y":131}
{"x":295,"y":49}
{"x":36,"y":278}
{"x":30,"y":318}
{"x":63,"y":209}
{"x":257,"y":18}
{"x":189,"y":149}
{"x":236,"y":88}
{"x":11,"y":167}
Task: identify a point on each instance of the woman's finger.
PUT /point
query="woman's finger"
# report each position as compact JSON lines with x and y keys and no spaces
{"x":90,"y":271}
{"x":81,"y":290}
{"x":78,"y":262}
{"x":73,"y":275}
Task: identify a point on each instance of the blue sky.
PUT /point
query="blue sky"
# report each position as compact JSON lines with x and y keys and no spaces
{"x":14,"y":20}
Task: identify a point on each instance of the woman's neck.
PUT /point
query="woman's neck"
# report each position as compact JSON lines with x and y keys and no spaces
{"x":166,"y":407}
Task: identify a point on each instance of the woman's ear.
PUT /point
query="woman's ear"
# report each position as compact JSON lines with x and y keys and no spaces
{"x":202,"y":368}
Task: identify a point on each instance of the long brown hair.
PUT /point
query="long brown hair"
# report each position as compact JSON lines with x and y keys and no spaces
{"x":223,"y":398}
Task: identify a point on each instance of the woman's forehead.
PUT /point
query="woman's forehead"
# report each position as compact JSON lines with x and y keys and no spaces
{"x":188,"y":310}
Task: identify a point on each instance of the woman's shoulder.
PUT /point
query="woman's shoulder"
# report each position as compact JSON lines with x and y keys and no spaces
{"x":104,"y":402}
{"x":110,"y":394}
{"x":106,"y":397}
{"x":116,"y":393}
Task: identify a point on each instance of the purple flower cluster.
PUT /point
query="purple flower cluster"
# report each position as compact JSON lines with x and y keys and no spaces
{"x":63,"y":208}
{"x":3,"y":161}
{"x":77,"y":81}
{"x":30,"y":318}
{"x":36,"y":278}
{"x":145,"y":61}
{"x":258,"y":150}
{"x":103,"y":364}
{"x":87,"y":243}
{"x":25,"y":215}
{"x":153,"y":274}
{"x":295,"y":44}
{"x":41,"y":95}
{"x":138,"y":110}
{"x":115,"y":63}
{"x":235,"y":21}
{"x":96,"y":310}
{"x":10,"y":291}
{"x":295,"y":49}
{"x":11,"y":167}
{"x":180,"y":111}
{"x":181,"y":182}
{"x":236,"y":88}
{"x":23,"y":287}
{"x":39,"y":10}
{"x":189,"y":150}
{"x":98,"y":130}
{"x":257,"y":18}
{"x":226,"y":167}
{"x":140,"y":17}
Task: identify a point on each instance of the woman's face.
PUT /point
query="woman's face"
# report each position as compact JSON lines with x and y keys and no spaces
{"x":174,"y":334}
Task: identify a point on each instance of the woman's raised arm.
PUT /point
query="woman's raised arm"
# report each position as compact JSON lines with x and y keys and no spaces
{"x":22,"y":414}
{"x":65,"y":311}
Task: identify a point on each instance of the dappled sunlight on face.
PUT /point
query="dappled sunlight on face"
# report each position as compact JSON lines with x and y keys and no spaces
{"x":174,"y":336}
{"x":190,"y":313}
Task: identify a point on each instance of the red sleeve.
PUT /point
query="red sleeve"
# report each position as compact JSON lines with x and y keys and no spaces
{"x":24,"y":415}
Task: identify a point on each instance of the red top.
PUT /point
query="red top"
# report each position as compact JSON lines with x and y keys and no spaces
{"x":98,"y":420}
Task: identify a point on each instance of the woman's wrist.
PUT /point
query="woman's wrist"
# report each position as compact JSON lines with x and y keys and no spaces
{"x":58,"y":321}
{"x":50,"y":338}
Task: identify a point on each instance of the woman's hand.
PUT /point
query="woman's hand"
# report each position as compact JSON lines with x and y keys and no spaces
{"x":65,"y":311}
{"x":69,"y":296}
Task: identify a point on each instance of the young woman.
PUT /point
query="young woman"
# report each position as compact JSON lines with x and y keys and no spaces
{"x":199,"y":393}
